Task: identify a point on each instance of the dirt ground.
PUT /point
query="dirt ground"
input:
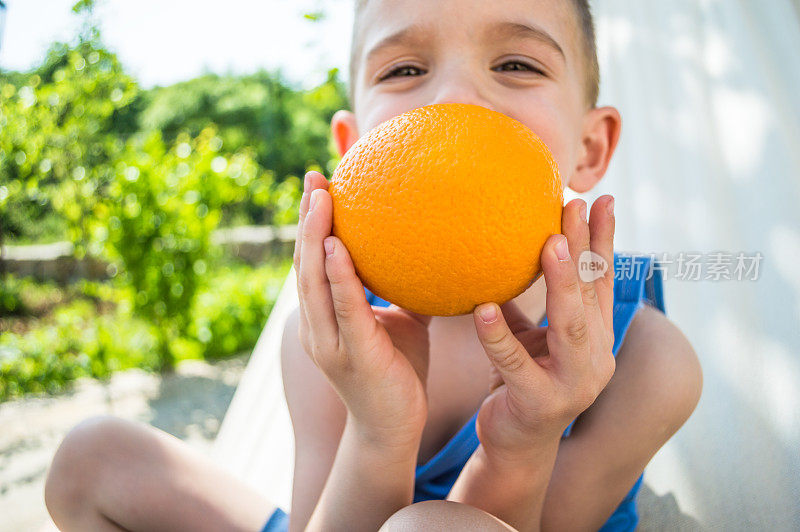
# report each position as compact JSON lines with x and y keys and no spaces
{"x":189,"y":404}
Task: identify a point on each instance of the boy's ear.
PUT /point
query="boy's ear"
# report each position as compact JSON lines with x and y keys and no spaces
{"x":344,"y":130}
{"x":601,"y":129}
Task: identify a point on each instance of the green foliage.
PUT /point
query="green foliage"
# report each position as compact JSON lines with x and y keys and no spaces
{"x":162,"y":205}
{"x":76,"y":343}
{"x":24,"y":295}
{"x":68,"y":144}
{"x":249,"y":111}
{"x":54,"y":129}
{"x":311,"y":113}
{"x":229,"y":312}
{"x":83,"y":6}
{"x":141,"y":179}
{"x":287,"y":130}
{"x":229,"y":315}
{"x":11,"y":289}
{"x":69,"y":121}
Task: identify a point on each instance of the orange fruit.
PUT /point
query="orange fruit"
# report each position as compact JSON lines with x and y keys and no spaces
{"x":446,"y":207}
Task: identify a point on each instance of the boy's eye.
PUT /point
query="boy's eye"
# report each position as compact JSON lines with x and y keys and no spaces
{"x":517,"y":66}
{"x":403,"y":71}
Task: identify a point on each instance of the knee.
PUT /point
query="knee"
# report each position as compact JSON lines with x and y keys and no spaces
{"x":414,"y":517}
{"x":444,"y":516}
{"x":79,"y":461}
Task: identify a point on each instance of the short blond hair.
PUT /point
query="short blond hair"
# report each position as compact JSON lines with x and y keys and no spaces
{"x":585,"y":24}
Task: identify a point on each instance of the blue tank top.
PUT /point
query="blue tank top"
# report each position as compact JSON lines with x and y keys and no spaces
{"x":637,"y":281}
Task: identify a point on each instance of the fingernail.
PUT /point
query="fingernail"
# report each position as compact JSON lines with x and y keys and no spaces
{"x":329,"y":245}
{"x":583,"y":211}
{"x":610,"y":207}
{"x":306,"y":182}
{"x":314,"y":199}
{"x":488,"y":314}
{"x":562,"y":249}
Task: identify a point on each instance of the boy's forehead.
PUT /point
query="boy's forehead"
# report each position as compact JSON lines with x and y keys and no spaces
{"x":425,"y":21}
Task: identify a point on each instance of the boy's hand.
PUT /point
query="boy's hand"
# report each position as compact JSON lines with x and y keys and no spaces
{"x":376,"y":358}
{"x":546,"y":376}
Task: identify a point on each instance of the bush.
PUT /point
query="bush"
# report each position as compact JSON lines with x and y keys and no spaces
{"x":21,"y":296}
{"x":230,"y":311}
{"x":155,"y":226}
{"x":67,"y":122}
{"x":55,"y":128}
{"x":75,"y":343}
{"x":11,"y":290}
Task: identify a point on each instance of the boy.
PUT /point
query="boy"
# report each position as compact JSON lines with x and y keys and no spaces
{"x":377,"y":393}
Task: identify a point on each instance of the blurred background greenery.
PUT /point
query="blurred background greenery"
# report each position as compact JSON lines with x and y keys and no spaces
{"x":140,"y":179}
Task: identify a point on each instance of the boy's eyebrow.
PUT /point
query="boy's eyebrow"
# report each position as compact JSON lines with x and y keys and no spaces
{"x":409,"y":35}
{"x":519,"y":29}
{"x":414,"y":34}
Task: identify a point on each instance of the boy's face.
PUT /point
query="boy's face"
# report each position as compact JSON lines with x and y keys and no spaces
{"x":518,"y":57}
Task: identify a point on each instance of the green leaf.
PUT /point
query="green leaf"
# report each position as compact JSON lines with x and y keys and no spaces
{"x":314,"y":16}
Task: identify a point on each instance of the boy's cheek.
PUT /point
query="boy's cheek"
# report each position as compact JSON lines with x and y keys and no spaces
{"x":555,"y":132}
{"x":557,"y":129}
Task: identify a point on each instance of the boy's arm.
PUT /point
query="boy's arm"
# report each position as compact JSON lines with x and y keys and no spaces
{"x":376,"y":360}
{"x":654,"y":390}
{"x":365,"y":476}
{"x":318,"y":418}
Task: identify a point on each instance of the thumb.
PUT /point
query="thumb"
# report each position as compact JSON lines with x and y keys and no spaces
{"x":505,"y":352}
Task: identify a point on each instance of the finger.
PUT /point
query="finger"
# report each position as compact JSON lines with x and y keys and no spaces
{"x":568,"y":331}
{"x":576,"y":229}
{"x":312,"y":181}
{"x":517,"y":321}
{"x":601,"y":227}
{"x":505,"y":352}
{"x":354,"y":315}
{"x":314,"y":289}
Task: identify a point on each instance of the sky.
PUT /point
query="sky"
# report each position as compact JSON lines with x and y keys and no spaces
{"x":162,"y":42}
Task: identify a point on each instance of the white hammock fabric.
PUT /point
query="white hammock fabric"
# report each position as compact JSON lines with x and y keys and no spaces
{"x":709,"y":161}
{"x":255,"y":440}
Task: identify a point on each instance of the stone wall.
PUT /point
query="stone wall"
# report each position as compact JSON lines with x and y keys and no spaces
{"x":252,"y":244}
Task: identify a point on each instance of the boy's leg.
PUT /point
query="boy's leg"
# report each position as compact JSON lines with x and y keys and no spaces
{"x":110,"y":474}
{"x":443,"y":516}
